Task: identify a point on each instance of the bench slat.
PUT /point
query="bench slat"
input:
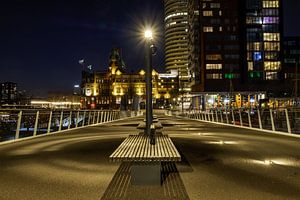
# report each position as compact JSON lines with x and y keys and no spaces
{"x":138,"y":148}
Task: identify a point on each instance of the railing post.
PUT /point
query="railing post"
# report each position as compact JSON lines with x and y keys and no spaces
{"x":226,"y":114}
{"x":104,"y":118}
{"x":89,"y":119}
{"x":77,"y":119}
{"x":212,"y":116}
{"x":259,"y":119}
{"x":241,"y":120}
{"x":272,"y":120}
{"x":94,"y":116}
{"x":222,"y":121}
{"x":205,"y":116}
{"x":60,"y":121}
{"x":49,"y":122}
{"x":101,"y":117}
{"x":98,"y":117}
{"x":83,"y":120}
{"x":18,"y":125}
{"x":36,"y":123}
{"x":287,"y":121}
{"x":70,"y":120}
{"x":233,"y":119}
{"x":249,"y":119}
{"x":217,"y":118}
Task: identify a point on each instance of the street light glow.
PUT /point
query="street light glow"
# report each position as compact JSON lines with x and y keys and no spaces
{"x":148,"y":34}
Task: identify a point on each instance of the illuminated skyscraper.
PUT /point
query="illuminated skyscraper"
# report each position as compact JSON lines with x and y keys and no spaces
{"x":176,"y":42}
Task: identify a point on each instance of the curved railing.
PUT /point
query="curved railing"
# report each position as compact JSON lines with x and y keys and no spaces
{"x":284,"y":120}
{"x":16,"y":124}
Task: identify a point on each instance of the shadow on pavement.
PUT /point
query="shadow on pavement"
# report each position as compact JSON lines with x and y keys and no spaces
{"x":172,"y":186}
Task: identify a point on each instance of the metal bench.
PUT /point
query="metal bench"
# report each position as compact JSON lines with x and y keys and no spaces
{"x":146,"y":158}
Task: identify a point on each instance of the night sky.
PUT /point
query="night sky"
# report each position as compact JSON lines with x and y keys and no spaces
{"x":42,"y":41}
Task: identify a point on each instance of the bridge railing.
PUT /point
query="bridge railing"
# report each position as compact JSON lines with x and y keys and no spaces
{"x":286,"y":120}
{"x":16,"y":124}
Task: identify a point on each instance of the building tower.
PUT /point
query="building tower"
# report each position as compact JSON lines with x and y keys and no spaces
{"x":176,"y":41}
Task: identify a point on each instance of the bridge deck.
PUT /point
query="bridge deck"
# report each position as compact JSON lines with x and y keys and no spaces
{"x":137,"y":148}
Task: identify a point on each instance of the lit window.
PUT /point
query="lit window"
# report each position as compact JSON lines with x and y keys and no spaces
{"x":271,"y":75}
{"x":272,"y":46}
{"x":215,"y":5}
{"x":250,"y":66}
{"x":272,"y":66}
{"x":207,"y":13}
{"x":213,"y":66}
{"x":271,"y":20}
{"x":271,"y":37}
{"x":257,"y":56}
{"x":208,"y":29}
{"x":271,"y":4}
{"x":213,"y":57}
{"x":214,"y":76}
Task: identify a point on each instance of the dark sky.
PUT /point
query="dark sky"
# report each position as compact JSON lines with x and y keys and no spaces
{"x":41,"y":41}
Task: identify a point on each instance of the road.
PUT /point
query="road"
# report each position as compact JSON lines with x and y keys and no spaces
{"x":219,"y":162}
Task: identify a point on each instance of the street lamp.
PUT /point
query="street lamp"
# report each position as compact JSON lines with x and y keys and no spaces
{"x":150,"y":49}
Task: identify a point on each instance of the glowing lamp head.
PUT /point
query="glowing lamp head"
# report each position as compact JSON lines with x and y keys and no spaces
{"x":148,"y":34}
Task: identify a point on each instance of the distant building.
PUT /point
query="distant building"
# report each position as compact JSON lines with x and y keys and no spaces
{"x":291,"y":63}
{"x":176,"y":40}
{"x":117,"y":89}
{"x":8,"y":93}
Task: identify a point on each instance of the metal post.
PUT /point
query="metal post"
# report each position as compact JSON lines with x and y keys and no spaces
{"x":60,"y":121}
{"x":49,"y":123}
{"x":249,"y":119}
{"x":101,"y":117}
{"x":259,"y":119}
{"x":70,"y":120}
{"x":77,"y":119}
{"x":226,"y":113}
{"x":212,"y":116}
{"x":89,"y":119}
{"x":217,"y":118}
{"x":148,"y":77}
{"x":83,"y":120}
{"x":222,"y":121}
{"x":288,"y":121}
{"x":241,"y":120}
{"x":233,"y":117}
{"x":272,"y":120}
{"x":18,"y":125}
{"x":104,"y":117}
{"x":205,"y":116}
{"x":36,"y":123}
{"x":94,"y":116}
{"x":98,"y":115}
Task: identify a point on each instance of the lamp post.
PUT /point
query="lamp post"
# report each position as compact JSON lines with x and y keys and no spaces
{"x":149,"y":50}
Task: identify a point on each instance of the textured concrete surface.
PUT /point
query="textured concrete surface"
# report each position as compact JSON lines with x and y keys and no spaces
{"x":218,"y":163}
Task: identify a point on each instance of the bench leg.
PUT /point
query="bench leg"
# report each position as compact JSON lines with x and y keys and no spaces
{"x":143,"y":173}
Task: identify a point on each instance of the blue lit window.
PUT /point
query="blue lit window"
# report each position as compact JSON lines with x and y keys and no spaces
{"x":257,"y":56}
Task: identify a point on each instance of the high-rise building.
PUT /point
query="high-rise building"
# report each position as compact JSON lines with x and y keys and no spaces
{"x":239,"y":46}
{"x":8,"y":93}
{"x":176,"y":40}
{"x":291,"y":63}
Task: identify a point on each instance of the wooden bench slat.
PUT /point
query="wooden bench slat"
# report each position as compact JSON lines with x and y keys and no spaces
{"x":138,"y":148}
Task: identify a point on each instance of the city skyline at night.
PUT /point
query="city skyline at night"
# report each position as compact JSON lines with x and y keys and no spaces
{"x":43,"y":41}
